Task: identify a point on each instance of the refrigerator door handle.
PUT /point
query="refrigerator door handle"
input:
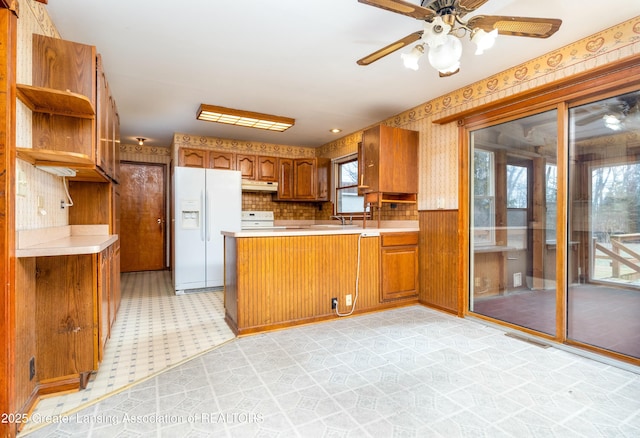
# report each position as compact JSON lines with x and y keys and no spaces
{"x":202,"y":230}
{"x":208,"y":217}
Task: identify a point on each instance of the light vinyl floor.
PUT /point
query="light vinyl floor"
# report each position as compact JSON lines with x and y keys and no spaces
{"x":407,"y":372}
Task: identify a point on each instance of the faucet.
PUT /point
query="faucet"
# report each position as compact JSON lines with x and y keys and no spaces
{"x":340,"y":218}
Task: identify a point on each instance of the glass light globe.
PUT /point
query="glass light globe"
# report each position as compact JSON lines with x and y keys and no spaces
{"x":411,"y":59}
{"x":483,"y":40}
{"x":446,"y":57}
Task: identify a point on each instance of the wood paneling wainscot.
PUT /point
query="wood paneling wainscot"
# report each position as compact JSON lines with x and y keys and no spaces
{"x":273,"y":282}
{"x":438,"y":253}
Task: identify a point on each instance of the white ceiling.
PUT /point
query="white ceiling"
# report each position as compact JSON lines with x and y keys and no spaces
{"x":294,"y":58}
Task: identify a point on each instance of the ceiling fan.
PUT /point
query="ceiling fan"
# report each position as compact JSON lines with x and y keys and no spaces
{"x":444,"y":25}
{"x":616,"y":113}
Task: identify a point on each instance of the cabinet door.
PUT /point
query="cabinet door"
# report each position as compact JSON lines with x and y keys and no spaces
{"x":246,"y":164}
{"x":192,"y":158}
{"x":102,"y":144}
{"x":399,"y":162}
{"x":64,"y":65}
{"x":267,"y":169}
{"x":115,"y":286}
{"x":305,"y":181}
{"x":371,"y":144}
{"x":323,"y":173}
{"x":285,"y":179}
{"x":399,"y":266}
{"x":67,"y":315}
{"x":116,"y":143}
{"x":104,"y":323}
{"x":221,"y":160}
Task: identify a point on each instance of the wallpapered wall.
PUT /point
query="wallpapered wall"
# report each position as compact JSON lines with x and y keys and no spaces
{"x":265,"y":201}
{"x":439,"y":143}
{"x":438,"y":183}
{"x":34,"y":19}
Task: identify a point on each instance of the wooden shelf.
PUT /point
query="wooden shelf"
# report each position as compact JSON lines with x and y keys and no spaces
{"x":376,"y":199}
{"x":86,"y":169}
{"x":395,"y":198}
{"x":50,"y":101}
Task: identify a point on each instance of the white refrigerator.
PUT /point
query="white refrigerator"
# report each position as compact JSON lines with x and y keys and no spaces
{"x":206,"y":202}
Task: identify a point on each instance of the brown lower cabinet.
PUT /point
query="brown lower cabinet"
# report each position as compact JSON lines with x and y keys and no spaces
{"x":69,"y":304}
{"x":398,"y":266}
{"x":280,"y":281}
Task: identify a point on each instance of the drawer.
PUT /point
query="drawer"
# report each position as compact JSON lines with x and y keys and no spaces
{"x":399,"y":239}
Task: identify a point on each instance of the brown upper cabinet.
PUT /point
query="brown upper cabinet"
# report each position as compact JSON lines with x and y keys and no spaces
{"x":257,"y":167}
{"x":267,"y":169}
{"x":389,"y":160}
{"x":193,"y":157}
{"x":285,"y":179}
{"x":221,"y":160}
{"x":303,"y":179}
{"x":75,"y":121}
{"x":206,"y":159}
{"x":246,"y":164}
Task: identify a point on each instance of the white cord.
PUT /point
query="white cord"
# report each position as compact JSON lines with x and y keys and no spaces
{"x":353,"y":305}
{"x":64,"y":183}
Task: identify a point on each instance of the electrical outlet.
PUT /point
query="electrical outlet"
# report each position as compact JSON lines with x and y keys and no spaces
{"x":347,"y":300}
{"x":334,"y":303}
{"x":32,"y":368}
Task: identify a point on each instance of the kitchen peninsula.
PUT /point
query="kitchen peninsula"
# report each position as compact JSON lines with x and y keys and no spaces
{"x":287,"y":276}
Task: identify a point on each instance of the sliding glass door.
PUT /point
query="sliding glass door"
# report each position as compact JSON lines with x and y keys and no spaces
{"x":603,"y":306}
{"x":513,"y":221}
{"x":526,"y":224}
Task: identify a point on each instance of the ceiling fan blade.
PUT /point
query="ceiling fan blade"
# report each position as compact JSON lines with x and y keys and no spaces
{"x":516,"y":26}
{"x":402,"y":7}
{"x":390,"y":48}
{"x":466,"y":6}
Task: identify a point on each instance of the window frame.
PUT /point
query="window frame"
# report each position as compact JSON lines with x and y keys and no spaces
{"x":488,"y":231}
{"x":337,"y":167}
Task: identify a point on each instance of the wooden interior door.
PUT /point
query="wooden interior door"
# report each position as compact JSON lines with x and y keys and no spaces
{"x":143,"y":217}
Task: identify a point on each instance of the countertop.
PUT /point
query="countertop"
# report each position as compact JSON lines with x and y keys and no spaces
{"x":65,"y":240}
{"x":317,"y":230}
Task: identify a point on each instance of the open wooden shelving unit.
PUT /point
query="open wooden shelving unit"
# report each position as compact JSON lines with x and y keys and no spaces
{"x":61,"y":103}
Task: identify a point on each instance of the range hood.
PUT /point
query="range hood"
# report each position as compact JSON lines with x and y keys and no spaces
{"x":259,"y":186}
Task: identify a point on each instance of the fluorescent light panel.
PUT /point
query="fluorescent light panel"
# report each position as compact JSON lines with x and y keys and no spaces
{"x":230,"y":116}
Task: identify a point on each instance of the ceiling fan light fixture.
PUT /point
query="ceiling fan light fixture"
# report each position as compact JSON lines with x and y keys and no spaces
{"x":435,"y":32}
{"x":446,"y":57}
{"x":410,"y":59}
{"x":612,"y":122}
{"x":483,"y":40}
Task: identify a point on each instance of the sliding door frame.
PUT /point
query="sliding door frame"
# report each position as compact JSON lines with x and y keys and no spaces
{"x":560,"y":96}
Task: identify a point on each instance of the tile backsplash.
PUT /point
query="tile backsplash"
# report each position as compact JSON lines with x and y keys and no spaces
{"x":318,"y":211}
{"x":286,"y":210}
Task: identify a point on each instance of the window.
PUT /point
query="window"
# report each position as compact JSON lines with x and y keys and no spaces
{"x":347,"y":200}
{"x":484,"y":197}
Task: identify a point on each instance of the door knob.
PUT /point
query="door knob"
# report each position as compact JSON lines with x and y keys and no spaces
{"x":159,"y":221}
